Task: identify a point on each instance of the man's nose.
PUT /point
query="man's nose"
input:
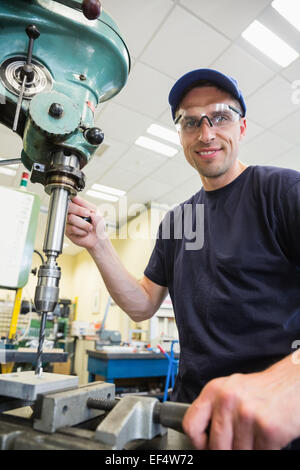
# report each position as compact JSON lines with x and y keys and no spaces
{"x":206,"y":130}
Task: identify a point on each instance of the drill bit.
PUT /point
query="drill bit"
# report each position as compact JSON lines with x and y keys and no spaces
{"x":38,"y":368}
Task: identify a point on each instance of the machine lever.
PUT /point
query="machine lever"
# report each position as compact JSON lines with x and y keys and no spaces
{"x":27,"y":73}
{"x":33,"y":33}
{"x":10,"y":161}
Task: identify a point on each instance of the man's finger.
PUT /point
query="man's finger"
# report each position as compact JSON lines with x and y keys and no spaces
{"x":243,"y":438}
{"x":196,"y":421}
{"x":79,"y":222}
{"x":83,"y":203}
{"x":72,"y":231}
{"x":221,"y":429}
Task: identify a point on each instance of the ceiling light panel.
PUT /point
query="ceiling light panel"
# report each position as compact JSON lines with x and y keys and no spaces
{"x":270,"y":44}
{"x":290,"y":10}
{"x":108,"y":190}
{"x":156,"y":146}
{"x":98,"y":195}
{"x":164,"y":133}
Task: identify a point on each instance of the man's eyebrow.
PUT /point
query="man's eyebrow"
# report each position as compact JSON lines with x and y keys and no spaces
{"x":191,"y":116}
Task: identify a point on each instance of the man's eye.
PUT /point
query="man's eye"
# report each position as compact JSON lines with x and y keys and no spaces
{"x":190,"y":124}
{"x":219,"y":118}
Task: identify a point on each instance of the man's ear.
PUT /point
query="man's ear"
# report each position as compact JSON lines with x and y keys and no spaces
{"x":243,"y":128}
{"x":180,"y":138}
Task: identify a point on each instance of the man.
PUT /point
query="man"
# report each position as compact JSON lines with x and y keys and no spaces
{"x":236,"y":298}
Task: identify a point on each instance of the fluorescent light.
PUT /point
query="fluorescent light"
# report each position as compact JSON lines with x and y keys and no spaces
{"x":7,"y":171}
{"x":98,"y":195}
{"x":156,"y":146}
{"x":108,"y":189}
{"x":164,"y":133}
{"x":290,"y":10}
{"x":270,"y":44}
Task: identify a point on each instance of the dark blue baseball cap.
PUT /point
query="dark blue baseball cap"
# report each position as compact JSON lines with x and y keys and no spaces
{"x":225,"y":82}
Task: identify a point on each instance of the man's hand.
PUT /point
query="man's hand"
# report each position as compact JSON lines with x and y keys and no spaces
{"x":78,"y":230}
{"x":253,"y":411}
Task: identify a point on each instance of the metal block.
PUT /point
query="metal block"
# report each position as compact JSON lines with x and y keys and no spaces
{"x":70,"y":407}
{"x":130,"y":419}
{"x":26,"y":385}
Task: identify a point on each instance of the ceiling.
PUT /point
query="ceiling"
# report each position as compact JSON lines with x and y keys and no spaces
{"x":167,"y":39}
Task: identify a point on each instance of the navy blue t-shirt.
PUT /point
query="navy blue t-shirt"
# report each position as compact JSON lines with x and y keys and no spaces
{"x":236,"y":299}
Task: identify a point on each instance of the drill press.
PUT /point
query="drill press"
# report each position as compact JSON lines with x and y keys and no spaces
{"x":58,"y":60}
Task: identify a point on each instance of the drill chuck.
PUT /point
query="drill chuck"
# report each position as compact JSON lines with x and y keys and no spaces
{"x":47,"y":289}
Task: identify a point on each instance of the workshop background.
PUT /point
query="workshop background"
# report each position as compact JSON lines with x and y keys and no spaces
{"x":166,"y":39}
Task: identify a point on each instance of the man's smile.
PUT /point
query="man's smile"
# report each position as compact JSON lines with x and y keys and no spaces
{"x":208,"y":152}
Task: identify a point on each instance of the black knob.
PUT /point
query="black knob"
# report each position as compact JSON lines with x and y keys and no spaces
{"x":94,"y":136}
{"x":91,"y":9}
{"x":32,"y":31}
{"x":56,"y":110}
{"x":27,"y":70}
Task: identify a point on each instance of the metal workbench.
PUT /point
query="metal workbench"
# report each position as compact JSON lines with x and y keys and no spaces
{"x":113,"y":365}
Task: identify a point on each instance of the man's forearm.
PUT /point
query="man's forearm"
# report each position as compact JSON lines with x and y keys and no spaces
{"x":122,"y":286}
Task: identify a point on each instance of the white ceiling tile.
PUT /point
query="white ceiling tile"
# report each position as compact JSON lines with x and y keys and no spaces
{"x":173,"y":172}
{"x":183,"y":43}
{"x":263,"y":149}
{"x":147,"y":190}
{"x":289,"y":128}
{"x":248,"y":71}
{"x":146,"y":91}
{"x":141,"y":162}
{"x":180,"y":158}
{"x":292,"y":72}
{"x":271,"y":103}
{"x":184,"y":192}
{"x":229,"y":16}
{"x":94,"y":170}
{"x":176,"y":196}
{"x":112,"y":153}
{"x":119,"y":178}
{"x":166,"y":119}
{"x":290,"y":160}
{"x":122,"y":124}
{"x":252,"y":131}
{"x":137,"y":20}
{"x":194,"y":184}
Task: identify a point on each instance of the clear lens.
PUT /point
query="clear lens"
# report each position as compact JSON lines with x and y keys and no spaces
{"x":216,"y":115}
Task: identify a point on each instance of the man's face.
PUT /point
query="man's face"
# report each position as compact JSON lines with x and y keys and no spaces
{"x":222,"y":143}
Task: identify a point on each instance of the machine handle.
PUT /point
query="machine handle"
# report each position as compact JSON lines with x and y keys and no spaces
{"x":33,"y":33}
{"x":91,"y":9}
{"x":170,"y":414}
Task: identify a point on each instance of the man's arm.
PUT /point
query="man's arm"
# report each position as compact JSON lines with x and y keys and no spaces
{"x":139,"y":299}
{"x":248,"y":411}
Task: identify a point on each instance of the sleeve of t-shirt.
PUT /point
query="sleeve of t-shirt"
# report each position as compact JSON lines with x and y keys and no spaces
{"x":156,"y":268}
{"x":290,"y":215}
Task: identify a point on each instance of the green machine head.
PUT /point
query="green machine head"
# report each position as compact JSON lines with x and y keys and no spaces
{"x":58,"y":60}
{"x":56,"y":67}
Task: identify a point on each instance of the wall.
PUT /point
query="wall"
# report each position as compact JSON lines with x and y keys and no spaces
{"x":81,"y":278}
{"x":134,"y":250}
